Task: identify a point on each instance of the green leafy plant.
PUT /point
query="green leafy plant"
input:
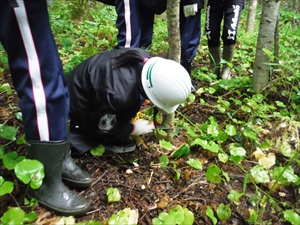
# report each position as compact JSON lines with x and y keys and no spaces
{"x":113,"y":195}
{"x":178,"y":216}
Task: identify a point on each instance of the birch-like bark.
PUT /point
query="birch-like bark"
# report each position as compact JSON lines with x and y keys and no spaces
{"x":174,"y":52}
{"x":252,"y":5}
{"x":265,"y":40}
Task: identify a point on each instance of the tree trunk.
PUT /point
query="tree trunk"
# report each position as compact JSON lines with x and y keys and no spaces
{"x":296,"y":9}
{"x":276,"y":41}
{"x":174,"y":52}
{"x":173,"y":29}
{"x":251,"y":16}
{"x":265,"y":41}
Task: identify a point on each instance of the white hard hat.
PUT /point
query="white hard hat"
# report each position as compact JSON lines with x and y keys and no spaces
{"x":166,"y":83}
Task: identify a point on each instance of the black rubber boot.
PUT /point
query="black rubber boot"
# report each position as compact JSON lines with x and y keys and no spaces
{"x":71,"y":173}
{"x":53,"y":194}
{"x":187,"y":64}
{"x":228,"y":52}
{"x":215,"y":59}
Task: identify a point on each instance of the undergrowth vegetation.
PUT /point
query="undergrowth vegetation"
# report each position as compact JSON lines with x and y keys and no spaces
{"x":260,"y":126}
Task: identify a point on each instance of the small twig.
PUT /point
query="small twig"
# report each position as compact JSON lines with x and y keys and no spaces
{"x":131,"y":190}
{"x":187,"y":188}
{"x":90,"y":212}
{"x":150,"y":178}
{"x":95,"y":182}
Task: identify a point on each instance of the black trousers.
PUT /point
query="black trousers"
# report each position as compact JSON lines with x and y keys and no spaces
{"x":230,"y":14}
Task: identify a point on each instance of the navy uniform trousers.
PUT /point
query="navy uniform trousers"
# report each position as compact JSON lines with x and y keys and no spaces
{"x":36,"y":68}
{"x":190,"y":34}
{"x":135,"y":25}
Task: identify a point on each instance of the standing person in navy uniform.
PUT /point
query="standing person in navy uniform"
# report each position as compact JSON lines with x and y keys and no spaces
{"x":190,"y":30}
{"x":229,"y":11}
{"x":40,"y":83}
{"x":134,"y":23}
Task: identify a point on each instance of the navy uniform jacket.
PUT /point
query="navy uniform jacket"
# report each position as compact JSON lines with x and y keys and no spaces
{"x":104,"y":99}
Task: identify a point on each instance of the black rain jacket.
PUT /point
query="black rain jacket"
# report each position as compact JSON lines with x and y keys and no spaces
{"x":104,"y":99}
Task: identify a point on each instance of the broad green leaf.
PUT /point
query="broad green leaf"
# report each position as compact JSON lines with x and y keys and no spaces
{"x":10,"y":160}
{"x":6,"y":187}
{"x":223,"y":157}
{"x":280,"y":104}
{"x":213,"y":128}
{"x":259,"y":174}
{"x":188,"y":218}
{"x":286,"y":149}
{"x":14,"y":215}
{"x":252,"y":216}
{"x":291,"y":217}
{"x":21,"y":140}
{"x":246,"y":109}
{"x":226,"y":176}
{"x":163,"y":219}
{"x":125,"y":216}
{"x":192,"y":97}
{"x":201,"y":142}
{"x":190,"y":130}
{"x":213,"y":174}
{"x":163,"y":161}
{"x":221,"y":108}
{"x":230,"y":130}
{"x":237,"y":153}
{"x":31,"y":216}
{"x":177,"y":214}
{"x":98,"y":150}
{"x":8,"y":132}
{"x":6,"y":87}
{"x":213,"y":147}
{"x":177,"y":173}
{"x":19,"y":115}
{"x":235,"y":196}
{"x":2,"y":151}
{"x":30,"y":170}
{"x":113,"y":194}
{"x":250,"y":134}
{"x":222,"y":136}
{"x":210,"y":214}
{"x":165,"y":144}
{"x":285,"y":176}
{"x":195,"y":163}
{"x":183,"y":151}
{"x":223,"y":212}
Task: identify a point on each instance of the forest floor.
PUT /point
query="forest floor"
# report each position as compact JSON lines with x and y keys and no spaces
{"x":149,"y":189}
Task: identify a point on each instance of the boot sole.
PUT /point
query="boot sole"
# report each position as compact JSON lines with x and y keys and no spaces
{"x":120,"y":149}
{"x":61,"y":212}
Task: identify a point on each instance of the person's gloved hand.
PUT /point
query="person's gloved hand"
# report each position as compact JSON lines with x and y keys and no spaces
{"x":190,"y":10}
{"x":142,"y":127}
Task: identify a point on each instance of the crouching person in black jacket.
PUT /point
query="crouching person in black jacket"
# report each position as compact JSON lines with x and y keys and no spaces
{"x":107,"y":90}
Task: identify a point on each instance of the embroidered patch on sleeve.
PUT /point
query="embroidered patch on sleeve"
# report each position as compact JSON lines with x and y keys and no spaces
{"x":107,"y":122}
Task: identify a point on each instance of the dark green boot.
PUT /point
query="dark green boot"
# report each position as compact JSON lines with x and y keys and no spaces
{"x":228,"y":52}
{"x":53,"y":194}
{"x":215,"y":59}
{"x":71,"y":173}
